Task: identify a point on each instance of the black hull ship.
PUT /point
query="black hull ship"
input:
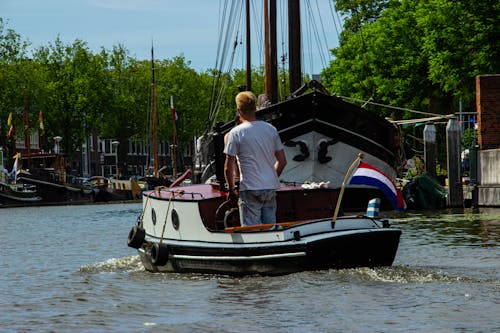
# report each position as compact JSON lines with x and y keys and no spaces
{"x":322,"y":135}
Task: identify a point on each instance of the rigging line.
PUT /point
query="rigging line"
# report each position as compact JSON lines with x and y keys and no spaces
{"x":325,"y":39}
{"x":422,"y":120}
{"x":284,"y":56}
{"x":221,"y":20}
{"x":308,"y":20}
{"x":332,"y":11}
{"x":223,"y":85}
{"x":258,"y":25}
{"x":315,"y":32}
{"x":225,"y":36}
{"x":390,"y":106}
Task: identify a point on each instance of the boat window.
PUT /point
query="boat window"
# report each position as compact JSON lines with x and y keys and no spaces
{"x":175,"y":219}
{"x":153,"y":216}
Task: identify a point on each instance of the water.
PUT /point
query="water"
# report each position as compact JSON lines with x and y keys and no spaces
{"x":68,"y":269}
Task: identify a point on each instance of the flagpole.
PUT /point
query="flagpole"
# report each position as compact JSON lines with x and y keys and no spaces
{"x":27,"y":142}
{"x":346,"y":178}
{"x":155,"y":137}
{"x":174,"y":138}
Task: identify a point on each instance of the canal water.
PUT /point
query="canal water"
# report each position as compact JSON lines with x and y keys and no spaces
{"x":68,"y":269}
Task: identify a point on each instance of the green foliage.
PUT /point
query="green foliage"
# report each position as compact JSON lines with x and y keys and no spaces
{"x":469,"y":138}
{"x":420,"y":55}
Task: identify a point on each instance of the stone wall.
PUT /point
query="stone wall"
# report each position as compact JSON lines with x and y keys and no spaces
{"x":489,"y":177}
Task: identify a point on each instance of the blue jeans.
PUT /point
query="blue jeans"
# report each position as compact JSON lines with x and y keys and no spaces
{"x":258,"y":206}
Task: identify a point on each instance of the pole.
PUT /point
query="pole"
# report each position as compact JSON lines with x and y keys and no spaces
{"x":27,"y":142}
{"x":248,"y":50}
{"x":155,"y":135}
{"x":430,"y":149}
{"x":267,"y":56}
{"x":455,"y":190}
{"x":294,"y":45}
{"x":273,"y":53}
{"x":174,"y":138}
{"x":344,"y":183}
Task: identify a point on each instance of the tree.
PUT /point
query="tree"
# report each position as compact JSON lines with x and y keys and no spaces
{"x":76,"y":91}
{"x":417,"y":54}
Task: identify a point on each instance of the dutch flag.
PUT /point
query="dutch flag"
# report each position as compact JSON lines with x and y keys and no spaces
{"x":367,"y":174}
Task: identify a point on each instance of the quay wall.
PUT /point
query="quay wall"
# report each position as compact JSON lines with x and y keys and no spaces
{"x":489,"y":177}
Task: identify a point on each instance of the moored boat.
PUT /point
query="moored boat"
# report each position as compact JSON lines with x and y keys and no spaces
{"x":18,"y":194}
{"x":111,"y":189}
{"x":322,"y":134}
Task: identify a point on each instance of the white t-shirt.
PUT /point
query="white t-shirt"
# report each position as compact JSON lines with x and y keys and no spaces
{"x":255,"y":144}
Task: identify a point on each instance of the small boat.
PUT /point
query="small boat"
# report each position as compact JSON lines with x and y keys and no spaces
{"x":18,"y":193}
{"x":13,"y":192}
{"x":51,"y":182}
{"x":195,"y":229}
{"x":111,"y":189}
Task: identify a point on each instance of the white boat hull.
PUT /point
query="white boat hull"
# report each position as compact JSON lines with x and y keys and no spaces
{"x":179,"y":224}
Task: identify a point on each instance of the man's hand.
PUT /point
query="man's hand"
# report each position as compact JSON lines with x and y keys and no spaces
{"x":232,"y":195}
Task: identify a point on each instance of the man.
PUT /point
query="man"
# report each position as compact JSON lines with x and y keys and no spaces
{"x":257,"y":149}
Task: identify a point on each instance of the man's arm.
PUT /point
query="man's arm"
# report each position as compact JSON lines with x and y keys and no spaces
{"x":280,"y":161}
{"x":229,"y":171}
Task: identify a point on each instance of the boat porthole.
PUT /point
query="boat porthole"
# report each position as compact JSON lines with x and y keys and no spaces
{"x":153,"y":216}
{"x":175,"y":219}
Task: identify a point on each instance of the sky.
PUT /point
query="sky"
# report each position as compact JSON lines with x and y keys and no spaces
{"x":175,"y":27}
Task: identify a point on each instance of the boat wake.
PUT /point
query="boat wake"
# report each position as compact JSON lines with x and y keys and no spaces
{"x":404,"y":275}
{"x":125,"y":264}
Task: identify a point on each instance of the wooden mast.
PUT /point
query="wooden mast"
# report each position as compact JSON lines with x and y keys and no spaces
{"x":248,"y":49}
{"x":174,"y":138}
{"x":27,"y":142}
{"x":270,"y":47}
{"x":273,"y":54}
{"x":294,"y":45}
{"x":153,"y":92}
{"x":267,"y":65}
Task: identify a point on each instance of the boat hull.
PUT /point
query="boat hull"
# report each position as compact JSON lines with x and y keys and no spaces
{"x":333,"y":250}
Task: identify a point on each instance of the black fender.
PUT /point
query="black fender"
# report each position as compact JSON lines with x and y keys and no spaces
{"x":159,"y":254}
{"x":136,"y":237}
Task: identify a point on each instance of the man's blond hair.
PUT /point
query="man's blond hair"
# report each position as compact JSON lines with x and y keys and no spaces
{"x":246,"y":102}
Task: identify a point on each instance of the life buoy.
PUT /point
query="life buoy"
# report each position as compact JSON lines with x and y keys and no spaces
{"x":136,"y":237}
{"x":159,"y":254}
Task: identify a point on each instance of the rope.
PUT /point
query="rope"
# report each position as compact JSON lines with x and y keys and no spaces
{"x":143,"y":210}
{"x":173,"y":193}
{"x":390,"y":106}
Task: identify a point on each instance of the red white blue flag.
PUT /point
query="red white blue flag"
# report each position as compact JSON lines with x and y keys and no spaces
{"x":367,"y":174}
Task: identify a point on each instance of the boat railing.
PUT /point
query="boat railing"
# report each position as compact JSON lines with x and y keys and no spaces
{"x":177,"y":193}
